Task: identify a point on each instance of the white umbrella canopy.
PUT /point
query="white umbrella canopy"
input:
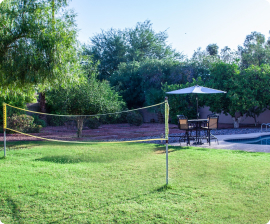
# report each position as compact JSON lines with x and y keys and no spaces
{"x":196,"y":90}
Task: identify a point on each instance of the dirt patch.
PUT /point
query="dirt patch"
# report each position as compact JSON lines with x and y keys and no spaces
{"x":103,"y":133}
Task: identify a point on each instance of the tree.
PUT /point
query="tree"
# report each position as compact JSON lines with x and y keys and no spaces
{"x":136,"y":80}
{"x":254,"y":83}
{"x":255,"y":50}
{"x":212,"y":49}
{"x":129,"y":83}
{"x":113,"y":47}
{"x":201,"y":63}
{"x":229,"y":56}
{"x":88,"y":98}
{"x":226,"y":77}
{"x":35,"y":48}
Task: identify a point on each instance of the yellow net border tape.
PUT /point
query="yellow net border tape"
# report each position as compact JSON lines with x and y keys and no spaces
{"x":4,"y":116}
{"x":125,"y":111}
{"x":167,"y":109}
{"x":54,"y":140}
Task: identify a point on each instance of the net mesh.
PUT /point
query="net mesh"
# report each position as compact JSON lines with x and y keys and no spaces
{"x":148,"y":124}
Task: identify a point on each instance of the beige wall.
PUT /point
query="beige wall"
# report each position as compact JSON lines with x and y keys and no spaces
{"x":263,"y":118}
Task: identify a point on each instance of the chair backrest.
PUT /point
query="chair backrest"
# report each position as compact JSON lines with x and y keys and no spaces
{"x":212,"y":121}
{"x":182,"y":122}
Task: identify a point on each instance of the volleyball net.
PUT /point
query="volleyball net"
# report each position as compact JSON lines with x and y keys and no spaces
{"x":146,"y":124}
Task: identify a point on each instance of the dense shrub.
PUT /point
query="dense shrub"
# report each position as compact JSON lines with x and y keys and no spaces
{"x":39,"y":121}
{"x":56,"y":121}
{"x":88,"y":98}
{"x":113,"y":118}
{"x":134,"y":118}
{"x":17,"y":98}
{"x":23,"y":123}
{"x":92,"y":123}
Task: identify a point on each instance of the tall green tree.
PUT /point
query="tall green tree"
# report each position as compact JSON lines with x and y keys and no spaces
{"x":254,"y":89}
{"x":226,"y":77}
{"x":113,"y":47}
{"x":229,"y":56}
{"x":36,"y":48}
{"x":201,"y":63}
{"x":255,"y":50}
{"x":212,"y":49}
{"x":136,"y":81}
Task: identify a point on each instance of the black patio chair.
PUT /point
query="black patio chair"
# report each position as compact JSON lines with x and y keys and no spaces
{"x":212,"y":124}
{"x":184,"y":125}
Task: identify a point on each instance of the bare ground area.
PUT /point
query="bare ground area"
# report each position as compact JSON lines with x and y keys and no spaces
{"x":117,"y":132}
{"x":103,"y":133}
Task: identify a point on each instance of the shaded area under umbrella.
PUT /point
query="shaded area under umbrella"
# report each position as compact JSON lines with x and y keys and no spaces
{"x":196,"y":90}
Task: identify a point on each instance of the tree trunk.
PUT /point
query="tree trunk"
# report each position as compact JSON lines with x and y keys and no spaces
{"x":255,"y":119}
{"x":236,"y":122}
{"x":80,"y":121}
{"x":42,"y":105}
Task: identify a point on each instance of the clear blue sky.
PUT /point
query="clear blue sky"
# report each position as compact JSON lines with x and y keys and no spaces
{"x":189,"y":23}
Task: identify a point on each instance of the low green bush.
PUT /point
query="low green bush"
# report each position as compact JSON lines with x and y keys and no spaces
{"x":134,"y":118}
{"x":23,"y":123}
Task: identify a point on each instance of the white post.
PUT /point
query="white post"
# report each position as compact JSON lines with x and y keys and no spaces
{"x":167,"y":137}
{"x":167,"y":164}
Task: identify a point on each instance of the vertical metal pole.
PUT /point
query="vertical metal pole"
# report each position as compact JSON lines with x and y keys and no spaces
{"x":167,"y":164}
{"x":167,"y":137}
{"x":4,"y":142}
{"x":4,"y":125}
{"x":197,"y":106}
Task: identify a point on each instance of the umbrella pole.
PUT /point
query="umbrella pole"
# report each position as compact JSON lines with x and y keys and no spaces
{"x":197,"y":106}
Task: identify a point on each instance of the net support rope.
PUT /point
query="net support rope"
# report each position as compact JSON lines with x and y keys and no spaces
{"x":86,"y":142}
{"x":93,"y":115}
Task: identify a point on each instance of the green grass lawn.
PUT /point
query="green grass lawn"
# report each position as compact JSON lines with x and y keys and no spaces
{"x":43,"y":182}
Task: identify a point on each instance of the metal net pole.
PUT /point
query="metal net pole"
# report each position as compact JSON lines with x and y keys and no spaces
{"x":4,"y":125}
{"x":167,"y":137}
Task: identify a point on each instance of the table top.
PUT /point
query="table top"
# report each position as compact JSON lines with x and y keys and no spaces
{"x":197,"y":120}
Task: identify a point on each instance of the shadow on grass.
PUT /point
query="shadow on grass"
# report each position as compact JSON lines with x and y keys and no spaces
{"x":15,"y":209}
{"x":70,"y":159}
{"x":162,"y":149}
{"x":163,"y":188}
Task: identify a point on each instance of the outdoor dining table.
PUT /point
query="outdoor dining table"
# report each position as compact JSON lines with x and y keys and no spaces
{"x":198,"y":124}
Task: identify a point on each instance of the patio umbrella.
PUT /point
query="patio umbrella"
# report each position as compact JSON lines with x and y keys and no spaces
{"x":196,"y":90}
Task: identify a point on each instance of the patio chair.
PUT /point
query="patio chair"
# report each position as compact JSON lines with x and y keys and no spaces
{"x":183,"y":125}
{"x":212,"y":124}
